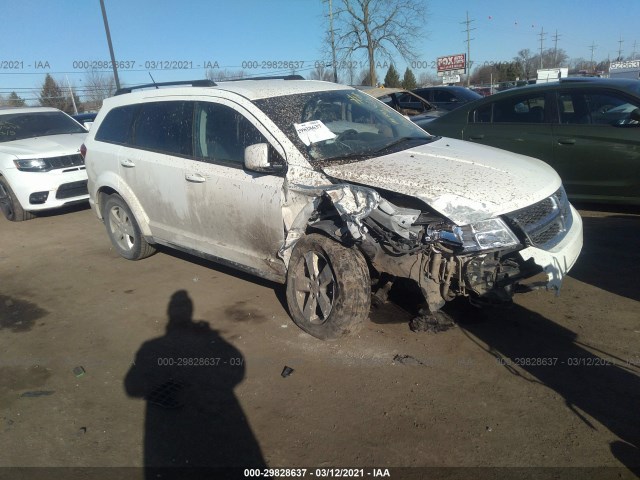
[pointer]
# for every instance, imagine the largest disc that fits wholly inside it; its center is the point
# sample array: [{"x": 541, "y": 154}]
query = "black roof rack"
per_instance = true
[
  {"x": 275, "y": 77},
  {"x": 193, "y": 83}
]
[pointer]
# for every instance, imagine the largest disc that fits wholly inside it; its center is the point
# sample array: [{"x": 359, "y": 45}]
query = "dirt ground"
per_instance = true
[{"x": 176, "y": 361}]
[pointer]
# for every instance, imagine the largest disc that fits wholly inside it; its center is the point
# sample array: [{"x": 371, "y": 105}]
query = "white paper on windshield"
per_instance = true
[{"x": 313, "y": 131}]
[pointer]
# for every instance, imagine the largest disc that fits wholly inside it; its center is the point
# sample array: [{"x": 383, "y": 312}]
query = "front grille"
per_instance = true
[
  {"x": 73, "y": 189},
  {"x": 544, "y": 224},
  {"x": 66, "y": 161}
]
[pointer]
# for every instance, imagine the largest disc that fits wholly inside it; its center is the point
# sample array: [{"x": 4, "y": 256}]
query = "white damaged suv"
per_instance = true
[
  {"x": 40, "y": 163},
  {"x": 324, "y": 188}
]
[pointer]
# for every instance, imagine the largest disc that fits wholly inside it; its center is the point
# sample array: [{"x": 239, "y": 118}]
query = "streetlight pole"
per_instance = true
[{"x": 113, "y": 57}]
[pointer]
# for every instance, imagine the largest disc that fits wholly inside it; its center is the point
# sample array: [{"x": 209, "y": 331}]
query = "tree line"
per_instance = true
[{"x": 53, "y": 93}]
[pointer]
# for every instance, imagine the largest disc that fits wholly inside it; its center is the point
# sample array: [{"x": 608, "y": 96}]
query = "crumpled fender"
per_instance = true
[{"x": 353, "y": 203}]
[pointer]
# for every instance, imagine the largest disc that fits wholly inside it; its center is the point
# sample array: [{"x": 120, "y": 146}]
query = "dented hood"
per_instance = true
[{"x": 461, "y": 180}]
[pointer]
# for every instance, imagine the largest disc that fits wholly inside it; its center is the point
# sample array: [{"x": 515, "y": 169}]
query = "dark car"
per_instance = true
[
  {"x": 588, "y": 129},
  {"x": 419, "y": 111},
  {"x": 447, "y": 98},
  {"x": 85, "y": 119}
]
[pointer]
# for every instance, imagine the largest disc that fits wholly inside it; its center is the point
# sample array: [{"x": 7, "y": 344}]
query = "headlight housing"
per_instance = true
[
  {"x": 484, "y": 235},
  {"x": 32, "y": 165}
]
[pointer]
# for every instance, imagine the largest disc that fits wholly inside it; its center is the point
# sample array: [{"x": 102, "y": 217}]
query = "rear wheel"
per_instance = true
[
  {"x": 123, "y": 230},
  {"x": 328, "y": 287},
  {"x": 10, "y": 205}
]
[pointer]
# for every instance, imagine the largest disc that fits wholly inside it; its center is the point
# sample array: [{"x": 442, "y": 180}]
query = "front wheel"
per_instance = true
[
  {"x": 123, "y": 230},
  {"x": 10, "y": 205},
  {"x": 328, "y": 287}
]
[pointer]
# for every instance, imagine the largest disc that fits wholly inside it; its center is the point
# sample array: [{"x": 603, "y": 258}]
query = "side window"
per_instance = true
[
  {"x": 609, "y": 108},
  {"x": 521, "y": 109},
  {"x": 116, "y": 127},
  {"x": 572, "y": 108},
  {"x": 222, "y": 134},
  {"x": 165, "y": 127}
]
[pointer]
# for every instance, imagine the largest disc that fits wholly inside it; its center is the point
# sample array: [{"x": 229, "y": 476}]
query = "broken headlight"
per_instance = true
[{"x": 484, "y": 235}]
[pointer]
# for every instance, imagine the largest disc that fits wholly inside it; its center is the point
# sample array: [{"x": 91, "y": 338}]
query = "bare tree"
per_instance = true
[
  {"x": 321, "y": 72},
  {"x": 380, "y": 28},
  {"x": 529, "y": 63},
  {"x": 222, "y": 75},
  {"x": 365, "y": 78},
  {"x": 526, "y": 62},
  {"x": 97, "y": 87},
  {"x": 426, "y": 79}
]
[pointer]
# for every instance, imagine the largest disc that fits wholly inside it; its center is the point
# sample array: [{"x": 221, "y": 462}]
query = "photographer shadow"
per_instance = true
[{"x": 193, "y": 420}]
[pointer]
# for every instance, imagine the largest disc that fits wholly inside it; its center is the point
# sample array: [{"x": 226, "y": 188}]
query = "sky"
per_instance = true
[{"x": 64, "y": 37}]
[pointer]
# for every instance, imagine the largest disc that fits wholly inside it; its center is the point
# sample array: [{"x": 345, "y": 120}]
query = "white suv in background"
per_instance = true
[
  {"x": 40, "y": 163},
  {"x": 324, "y": 188}
]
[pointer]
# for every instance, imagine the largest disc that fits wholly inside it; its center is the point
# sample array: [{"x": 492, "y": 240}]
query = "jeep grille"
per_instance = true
[{"x": 66, "y": 161}]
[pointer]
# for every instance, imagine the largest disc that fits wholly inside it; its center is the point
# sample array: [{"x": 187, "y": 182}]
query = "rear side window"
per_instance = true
[
  {"x": 165, "y": 127},
  {"x": 522, "y": 109},
  {"x": 116, "y": 126},
  {"x": 597, "y": 107}
]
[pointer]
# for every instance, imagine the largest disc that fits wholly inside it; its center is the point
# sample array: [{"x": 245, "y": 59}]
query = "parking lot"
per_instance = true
[{"x": 173, "y": 360}]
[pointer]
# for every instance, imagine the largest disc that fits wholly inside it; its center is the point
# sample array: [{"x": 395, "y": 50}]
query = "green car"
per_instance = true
[{"x": 588, "y": 129}]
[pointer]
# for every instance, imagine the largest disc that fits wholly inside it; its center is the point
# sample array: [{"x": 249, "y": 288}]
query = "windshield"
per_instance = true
[
  {"x": 341, "y": 126},
  {"x": 17, "y": 126}
]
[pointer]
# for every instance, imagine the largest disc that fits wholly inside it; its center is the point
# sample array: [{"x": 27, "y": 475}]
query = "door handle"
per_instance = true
[
  {"x": 567, "y": 141},
  {"x": 194, "y": 178},
  {"x": 126, "y": 162},
  {"x": 476, "y": 137}
]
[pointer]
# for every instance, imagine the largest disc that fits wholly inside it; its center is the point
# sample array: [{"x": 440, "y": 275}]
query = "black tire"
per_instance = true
[
  {"x": 328, "y": 287},
  {"x": 10, "y": 205},
  {"x": 123, "y": 230}
]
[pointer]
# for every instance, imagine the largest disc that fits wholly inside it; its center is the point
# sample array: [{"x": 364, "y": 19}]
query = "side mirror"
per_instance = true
[{"x": 256, "y": 159}]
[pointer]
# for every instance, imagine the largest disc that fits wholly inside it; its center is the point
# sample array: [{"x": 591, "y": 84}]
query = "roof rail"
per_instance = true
[
  {"x": 193, "y": 83},
  {"x": 275, "y": 77}
]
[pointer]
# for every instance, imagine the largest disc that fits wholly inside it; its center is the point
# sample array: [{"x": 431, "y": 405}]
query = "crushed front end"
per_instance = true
[{"x": 487, "y": 261}]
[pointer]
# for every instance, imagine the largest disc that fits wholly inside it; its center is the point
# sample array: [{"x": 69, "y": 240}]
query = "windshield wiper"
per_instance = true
[{"x": 400, "y": 140}]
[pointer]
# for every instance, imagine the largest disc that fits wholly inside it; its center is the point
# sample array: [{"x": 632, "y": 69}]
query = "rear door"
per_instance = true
[
  {"x": 152, "y": 166},
  {"x": 597, "y": 145}
]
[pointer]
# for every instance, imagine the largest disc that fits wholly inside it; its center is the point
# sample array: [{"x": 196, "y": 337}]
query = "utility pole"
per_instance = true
[
  {"x": 620, "y": 48},
  {"x": 73, "y": 100},
  {"x": 468, "y": 30},
  {"x": 633, "y": 55},
  {"x": 542, "y": 36},
  {"x": 333, "y": 44},
  {"x": 113, "y": 57},
  {"x": 592, "y": 47},
  {"x": 555, "y": 49}
]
